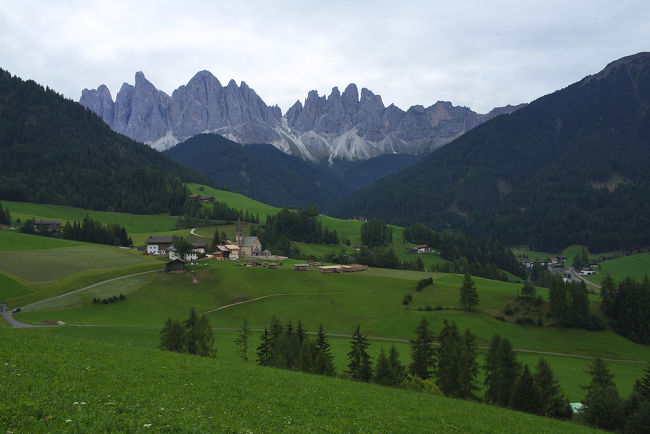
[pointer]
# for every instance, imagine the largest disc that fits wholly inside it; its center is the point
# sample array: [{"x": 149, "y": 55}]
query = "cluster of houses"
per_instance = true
[
  {"x": 242, "y": 247},
  {"x": 420, "y": 248},
  {"x": 203, "y": 199},
  {"x": 556, "y": 264}
]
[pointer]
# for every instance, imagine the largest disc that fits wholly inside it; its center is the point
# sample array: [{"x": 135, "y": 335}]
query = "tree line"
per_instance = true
[
  {"x": 288, "y": 225},
  {"x": 88, "y": 230},
  {"x": 194, "y": 209},
  {"x": 482, "y": 257},
  {"x": 627, "y": 306},
  {"x": 451, "y": 369}
]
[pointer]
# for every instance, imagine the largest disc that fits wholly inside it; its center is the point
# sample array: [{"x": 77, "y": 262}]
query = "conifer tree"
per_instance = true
[
  {"x": 501, "y": 371},
  {"x": 301, "y": 333},
  {"x": 397, "y": 370},
  {"x": 468, "y": 295},
  {"x": 205, "y": 338},
  {"x": 242, "y": 340},
  {"x": 608, "y": 294},
  {"x": 456, "y": 368},
  {"x": 382, "y": 369},
  {"x": 528, "y": 290},
  {"x": 191, "y": 345},
  {"x": 264, "y": 355},
  {"x": 468, "y": 370},
  {"x": 524, "y": 396},
  {"x": 171, "y": 336},
  {"x": 359, "y": 365},
  {"x": 422, "y": 351},
  {"x": 603, "y": 407},
  {"x": 553, "y": 402},
  {"x": 642, "y": 386},
  {"x": 324, "y": 359}
]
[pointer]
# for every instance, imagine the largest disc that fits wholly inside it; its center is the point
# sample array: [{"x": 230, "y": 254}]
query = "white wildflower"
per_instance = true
[
  {"x": 147, "y": 425},
  {"x": 68, "y": 420},
  {"x": 75, "y": 403}
]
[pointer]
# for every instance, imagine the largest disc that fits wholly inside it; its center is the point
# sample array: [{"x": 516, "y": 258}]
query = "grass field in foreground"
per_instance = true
[
  {"x": 570, "y": 372},
  {"x": 52, "y": 383}
]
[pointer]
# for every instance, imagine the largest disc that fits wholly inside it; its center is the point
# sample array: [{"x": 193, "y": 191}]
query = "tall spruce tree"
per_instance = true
[
  {"x": 456, "y": 367},
  {"x": 603, "y": 407},
  {"x": 608, "y": 295},
  {"x": 422, "y": 352},
  {"x": 264, "y": 350},
  {"x": 242, "y": 340},
  {"x": 642, "y": 386},
  {"x": 382, "y": 369},
  {"x": 468, "y": 295},
  {"x": 397, "y": 370},
  {"x": 359, "y": 365},
  {"x": 171, "y": 336},
  {"x": 553, "y": 402},
  {"x": 525, "y": 396},
  {"x": 501, "y": 371},
  {"x": 324, "y": 359}
]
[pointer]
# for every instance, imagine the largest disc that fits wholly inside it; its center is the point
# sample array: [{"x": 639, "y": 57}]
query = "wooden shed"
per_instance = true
[
  {"x": 175, "y": 266},
  {"x": 300, "y": 267},
  {"x": 329, "y": 269}
]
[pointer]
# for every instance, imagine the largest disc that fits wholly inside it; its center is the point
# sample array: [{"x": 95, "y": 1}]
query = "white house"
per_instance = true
[
  {"x": 234, "y": 251},
  {"x": 189, "y": 257},
  {"x": 158, "y": 245}
]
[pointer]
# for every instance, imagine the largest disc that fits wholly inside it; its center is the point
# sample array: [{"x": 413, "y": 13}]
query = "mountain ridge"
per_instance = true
[
  {"x": 569, "y": 168},
  {"x": 346, "y": 125}
]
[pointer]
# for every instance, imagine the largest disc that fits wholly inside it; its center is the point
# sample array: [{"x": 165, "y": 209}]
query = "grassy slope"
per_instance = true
[
  {"x": 13, "y": 241},
  {"x": 133, "y": 223},
  {"x": 340, "y": 302},
  {"x": 101, "y": 387},
  {"x": 635, "y": 266},
  {"x": 235, "y": 200}
]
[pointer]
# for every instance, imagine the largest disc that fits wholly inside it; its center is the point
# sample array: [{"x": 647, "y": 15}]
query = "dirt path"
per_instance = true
[
  {"x": 9, "y": 317},
  {"x": 197, "y": 235},
  {"x": 240, "y": 302}
]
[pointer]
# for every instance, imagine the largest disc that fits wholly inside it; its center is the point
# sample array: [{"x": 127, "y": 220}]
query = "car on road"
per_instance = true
[{"x": 15, "y": 310}]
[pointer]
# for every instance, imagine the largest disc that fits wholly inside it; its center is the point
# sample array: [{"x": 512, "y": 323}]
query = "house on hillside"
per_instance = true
[
  {"x": 47, "y": 225},
  {"x": 526, "y": 262},
  {"x": 203, "y": 199},
  {"x": 233, "y": 250},
  {"x": 158, "y": 245},
  {"x": 189, "y": 257},
  {"x": 359, "y": 218},
  {"x": 200, "y": 246},
  {"x": 221, "y": 253},
  {"x": 423, "y": 248}
]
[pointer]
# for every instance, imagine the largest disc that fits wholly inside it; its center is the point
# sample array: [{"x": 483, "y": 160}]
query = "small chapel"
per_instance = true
[{"x": 248, "y": 246}]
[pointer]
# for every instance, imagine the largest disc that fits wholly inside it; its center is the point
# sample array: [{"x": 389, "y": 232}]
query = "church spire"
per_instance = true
[{"x": 239, "y": 239}]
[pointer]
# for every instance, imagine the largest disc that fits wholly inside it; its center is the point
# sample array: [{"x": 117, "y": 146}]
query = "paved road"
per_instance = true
[{"x": 9, "y": 317}]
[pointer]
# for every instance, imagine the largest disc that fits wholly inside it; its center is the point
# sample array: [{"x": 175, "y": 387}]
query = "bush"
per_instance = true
[
  {"x": 423, "y": 283},
  {"x": 508, "y": 310},
  {"x": 420, "y": 385},
  {"x": 407, "y": 299}
]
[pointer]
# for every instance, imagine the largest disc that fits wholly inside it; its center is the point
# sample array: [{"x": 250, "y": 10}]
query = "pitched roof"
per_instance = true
[
  {"x": 159, "y": 240},
  {"x": 249, "y": 241},
  {"x": 199, "y": 244},
  {"x": 232, "y": 247}
]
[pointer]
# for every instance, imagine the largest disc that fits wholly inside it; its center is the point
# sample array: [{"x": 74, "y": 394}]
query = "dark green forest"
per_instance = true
[
  {"x": 570, "y": 168},
  {"x": 53, "y": 150}
]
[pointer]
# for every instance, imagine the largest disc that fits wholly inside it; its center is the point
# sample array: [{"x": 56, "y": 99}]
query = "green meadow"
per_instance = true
[
  {"x": 99, "y": 386},
  {"x": 636, "y": 266},
  {"x": 340, "y": 301},
  {"x": 133, "y": 223},
  {"x": 235, "y": 200}
]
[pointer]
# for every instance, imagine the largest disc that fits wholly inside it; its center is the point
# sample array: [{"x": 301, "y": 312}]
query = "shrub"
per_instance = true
[
  {"x": 407, "y": 299},
  {"x": 508, "y": 310}
]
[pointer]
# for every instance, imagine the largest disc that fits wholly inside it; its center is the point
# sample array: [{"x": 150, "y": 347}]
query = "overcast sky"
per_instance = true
[{"x": 479, "y": 54}]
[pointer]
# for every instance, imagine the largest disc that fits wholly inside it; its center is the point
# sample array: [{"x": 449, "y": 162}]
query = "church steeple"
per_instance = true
[{"x": 239, "y": 239}]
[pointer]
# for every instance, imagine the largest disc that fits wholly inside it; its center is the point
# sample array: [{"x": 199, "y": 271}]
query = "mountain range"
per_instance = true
[
  {"x": 341, "y": 126},
  {"x": 569, "y": 168}
]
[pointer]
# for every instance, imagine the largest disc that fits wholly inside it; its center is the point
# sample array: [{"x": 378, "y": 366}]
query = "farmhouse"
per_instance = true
[
  {"x": 234, "y": 251},
  {"x": 47, "y": 225},
  {"x": 200, "y": 247},
  {"x": 189, "y": 257},
  {"x": 423, "y": 248},
  {"x": 221, "y": 253},
  {"x": 204, "y": 199},
  {"x": 300, "y": 267},
  {"x": 175, "y": 266},
  {"x": 158, "y": 245}
]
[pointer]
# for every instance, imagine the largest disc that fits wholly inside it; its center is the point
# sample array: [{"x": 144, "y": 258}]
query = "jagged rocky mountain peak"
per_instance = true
[{"x": 348, "y": 125}]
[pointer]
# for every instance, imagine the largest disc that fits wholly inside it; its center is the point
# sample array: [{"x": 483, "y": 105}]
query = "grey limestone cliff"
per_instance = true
[{"x": 339, "y": 126}]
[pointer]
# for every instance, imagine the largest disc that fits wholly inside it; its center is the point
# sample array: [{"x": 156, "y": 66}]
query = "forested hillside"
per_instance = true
[
  {"x": 570, "y": 168},
  {"x": 53, "y": 150},
  {"x": 267, "y": 174}
]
